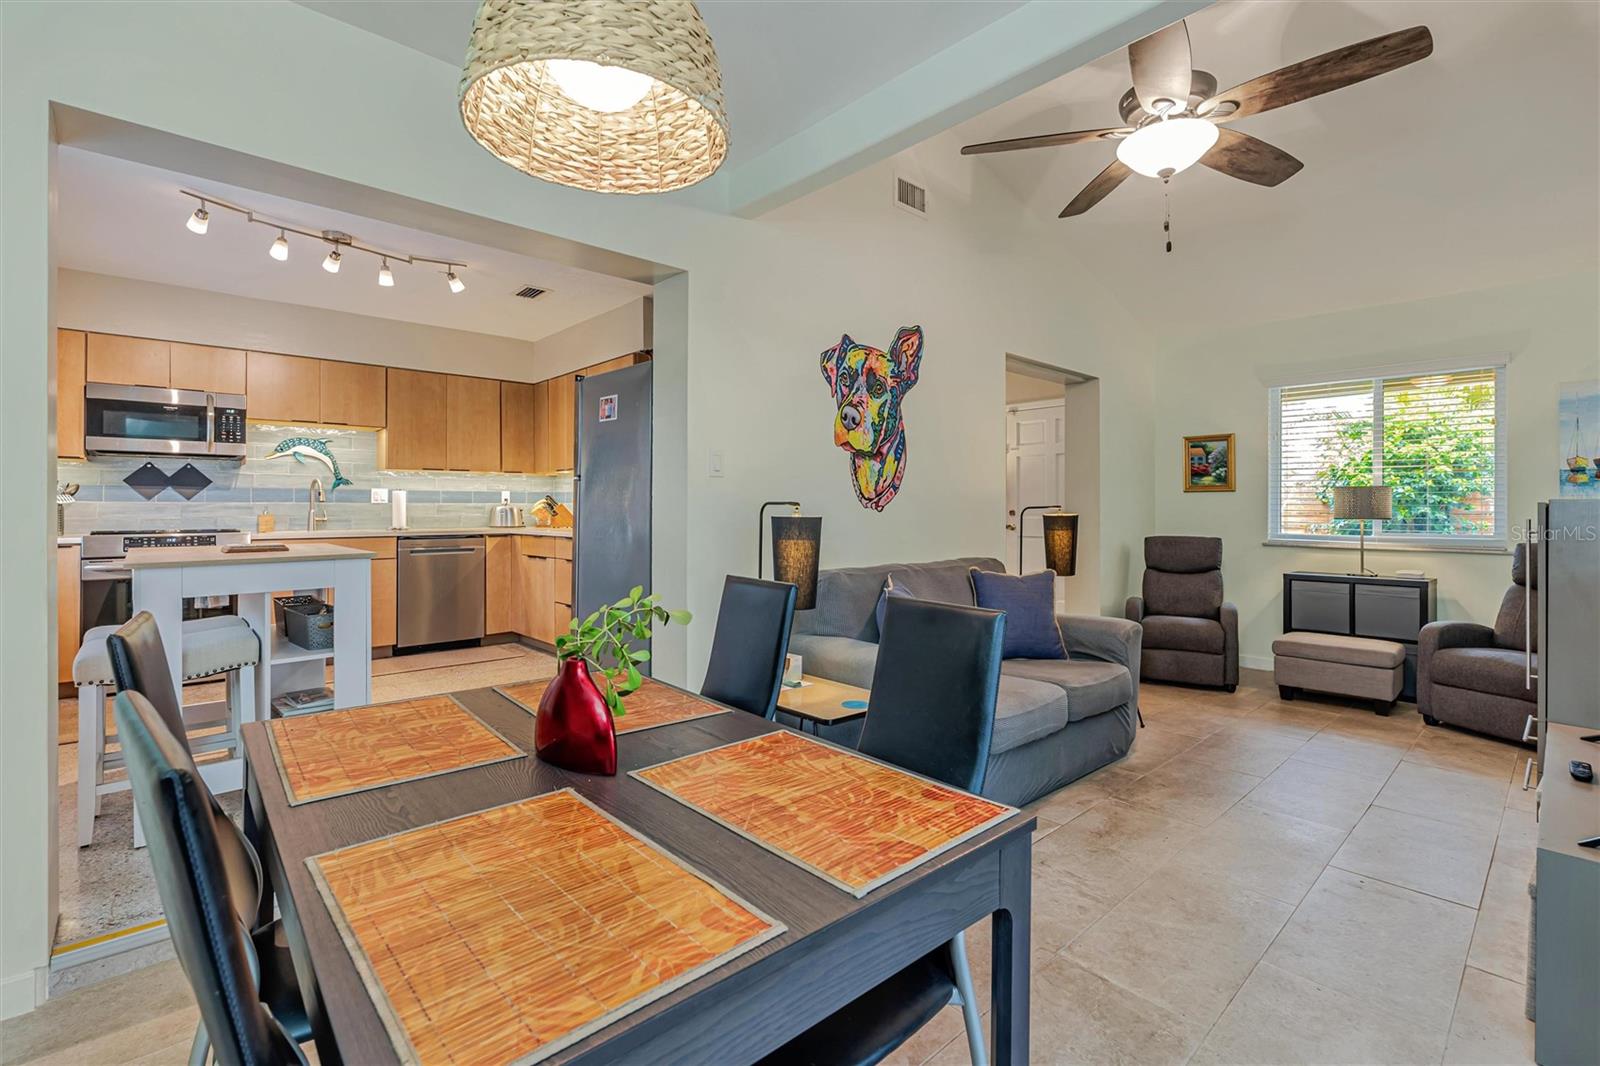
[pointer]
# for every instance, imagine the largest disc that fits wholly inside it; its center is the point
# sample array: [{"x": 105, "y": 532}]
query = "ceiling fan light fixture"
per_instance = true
[{"x": 1167, "y": 147}]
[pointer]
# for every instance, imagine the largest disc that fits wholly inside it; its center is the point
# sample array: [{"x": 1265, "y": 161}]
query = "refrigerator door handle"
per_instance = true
[{"x": 1529, "y": 675}]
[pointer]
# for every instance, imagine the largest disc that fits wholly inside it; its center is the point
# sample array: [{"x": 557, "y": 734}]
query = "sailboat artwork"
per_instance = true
[{"x": 1579, "y": 473}]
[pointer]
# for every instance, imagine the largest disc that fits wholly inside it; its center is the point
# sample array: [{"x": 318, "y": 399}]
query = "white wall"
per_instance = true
[
  {"x": 620, "y": 331},
  {"x": 104, "y": 304},
  {"x": 1211, "y": 385}
]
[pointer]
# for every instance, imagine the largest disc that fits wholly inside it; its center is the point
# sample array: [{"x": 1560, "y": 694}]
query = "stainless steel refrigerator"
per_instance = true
[
  {"x": 611, "y": 487},
  {"x": 1568, "y": 615}
]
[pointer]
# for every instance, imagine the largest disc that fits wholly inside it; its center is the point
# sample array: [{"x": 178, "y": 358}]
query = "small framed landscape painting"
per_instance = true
[{"x": 1208, "y": 463}]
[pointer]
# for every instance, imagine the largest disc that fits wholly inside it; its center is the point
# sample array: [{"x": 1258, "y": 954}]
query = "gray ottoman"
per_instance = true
[{"x": 1347, "y": 666}]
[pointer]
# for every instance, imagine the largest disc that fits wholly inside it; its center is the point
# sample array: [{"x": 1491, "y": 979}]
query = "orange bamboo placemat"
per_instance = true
[
  {"x": 652, "y": 705},
  {"x": 849, "y": 819},
  {"x": 510, "y": 933},
  {"x": 334, "y": 753}
]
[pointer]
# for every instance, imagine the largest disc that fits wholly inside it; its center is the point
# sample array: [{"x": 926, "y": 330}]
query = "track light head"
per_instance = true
[
  {"x": 331, "y": 264},
  {"x": 280, "y": 248},
  {"x": 199, "y": 220},
  {"x": 455, "y": 283},
  {"x": 385, "y": 275}
]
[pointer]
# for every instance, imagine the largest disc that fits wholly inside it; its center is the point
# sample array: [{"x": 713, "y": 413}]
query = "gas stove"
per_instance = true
[{"x": 116, "y": 543}]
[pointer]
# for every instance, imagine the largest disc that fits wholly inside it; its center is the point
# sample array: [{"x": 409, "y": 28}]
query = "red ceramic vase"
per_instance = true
[{"x": 573, "y": 729}]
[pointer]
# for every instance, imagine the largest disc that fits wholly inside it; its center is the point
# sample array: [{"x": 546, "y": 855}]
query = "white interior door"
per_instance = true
[{"x": 1035, "y": 476}]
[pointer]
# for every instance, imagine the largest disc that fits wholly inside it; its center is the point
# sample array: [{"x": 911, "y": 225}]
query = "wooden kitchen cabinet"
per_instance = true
[
  {"x": 472, "y": 423},
  {"x": 283, "y": 388},
  {"x": 352, "y": 394},
  {"x": 383, "y": 611},
  {"x": 205, "y": 369},
  {"x": 538, "y": 602},
  {"x": 517, "y": 452},
  {"x": 563, "y": 582},
  {"x": 68, "y": 589},
  {"x": 114, "y": 360},
  {"x": 415, "y": 433},
  {"x": 543, "y": 460},
  {"x": 563, "y": 398},
  {"x": 502, "y": 598},
  {"x": 71, "y": 373}
]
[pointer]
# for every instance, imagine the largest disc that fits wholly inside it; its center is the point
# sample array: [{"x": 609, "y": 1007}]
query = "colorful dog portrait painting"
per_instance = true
[{"x": 869, "y": 388}]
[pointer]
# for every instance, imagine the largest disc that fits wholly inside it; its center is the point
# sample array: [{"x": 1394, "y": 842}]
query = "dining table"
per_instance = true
[{"x": 827, "y": 946}]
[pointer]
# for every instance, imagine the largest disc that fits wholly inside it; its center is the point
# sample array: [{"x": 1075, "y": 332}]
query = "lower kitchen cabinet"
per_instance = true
[
  {"x": 68, "y": 588},
  {"x": 538, "y": 598},
  {"x": 383, "y": 616},
  {"x": 502, "y": 599}
]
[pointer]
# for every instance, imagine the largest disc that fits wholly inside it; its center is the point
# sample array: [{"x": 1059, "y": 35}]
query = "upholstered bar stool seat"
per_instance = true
[
  {"x": 1346, "y": 666},
  {"x": 222, "y": 644}
]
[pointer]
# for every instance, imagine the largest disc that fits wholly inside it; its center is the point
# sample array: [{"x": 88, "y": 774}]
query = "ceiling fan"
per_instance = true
[{"x": 1174, "y": 114}]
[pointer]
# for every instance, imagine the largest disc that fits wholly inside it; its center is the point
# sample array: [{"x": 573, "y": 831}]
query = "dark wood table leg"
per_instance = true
[
  {"x": 1012, "y": 952},
  {"x": 255, "y": 832}
]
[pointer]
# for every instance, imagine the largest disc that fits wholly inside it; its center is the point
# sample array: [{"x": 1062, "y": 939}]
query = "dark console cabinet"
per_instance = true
[{"x": 1385, "y": 608}]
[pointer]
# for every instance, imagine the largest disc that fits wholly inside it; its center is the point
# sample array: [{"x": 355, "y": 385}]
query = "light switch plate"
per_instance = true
[
  {"x": 714, "y": 466},
  {"x": 380, "y": 495}
]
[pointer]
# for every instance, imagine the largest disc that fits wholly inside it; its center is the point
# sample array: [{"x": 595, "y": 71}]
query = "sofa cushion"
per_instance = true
[
  {"x": 1092, "y": 687},
  {"x": 1334, "y": 648},
  {"x": 1178, "y": 633},
  {"x": 1499, "y": 671},
  {"x": 1025, "y": 711},
  {"x": 890, "y": 590},
  {"x": 947, "y": 582},
  {"x": 1188, "y": 595},
  {"x": 837, "y": 658},
  {"x": 1029, "y": 604},
  {"x": 847, "y": 598}
]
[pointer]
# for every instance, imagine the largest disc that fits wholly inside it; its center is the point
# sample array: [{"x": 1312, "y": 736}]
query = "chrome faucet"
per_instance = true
[{"x": 318, "y": 496}]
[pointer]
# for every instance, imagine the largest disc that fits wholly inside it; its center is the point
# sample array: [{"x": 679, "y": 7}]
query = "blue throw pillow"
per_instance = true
[
  {"x": 1029, "y": 603},
  {"x": 890, "y": 589}
]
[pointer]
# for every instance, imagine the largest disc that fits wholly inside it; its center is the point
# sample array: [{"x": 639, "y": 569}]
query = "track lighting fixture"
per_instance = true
[{"x": 338, "y": 240}]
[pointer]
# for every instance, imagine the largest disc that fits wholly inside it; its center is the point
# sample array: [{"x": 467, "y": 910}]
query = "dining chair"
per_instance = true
[
  {"x": 750, "y": 644},
  {"x": 248, "y": 1015},
  {"x": 932, "y": 712}
]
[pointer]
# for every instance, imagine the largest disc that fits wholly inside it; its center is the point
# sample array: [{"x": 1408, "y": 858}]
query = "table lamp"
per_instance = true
[
  {"x": 796, "y": 546},
  {"x": 1363, "y": 503}
]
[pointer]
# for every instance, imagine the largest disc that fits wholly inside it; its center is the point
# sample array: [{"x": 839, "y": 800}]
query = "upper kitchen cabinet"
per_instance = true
[
  {"x": 415, "y": 433},
  {"x": 543, "y": 459},
  {"x": 563, "y": 415},
  {"x": 71, "y": 370},
  {"x": 114, "y": 360},
  {"x": 517, "y": 428},
  {"x": 353, "y": 394},
  {"x": 283, "y": 388},
  {"x": 472, "y": 431},
  {"x": 203, "y": 369}
]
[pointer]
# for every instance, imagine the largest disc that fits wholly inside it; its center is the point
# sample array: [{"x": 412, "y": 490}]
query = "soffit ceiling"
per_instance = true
[{"x": 1474, "y": 167}]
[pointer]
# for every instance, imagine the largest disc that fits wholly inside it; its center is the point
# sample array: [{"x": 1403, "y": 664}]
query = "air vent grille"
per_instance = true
[
  {"x": 528, "y": 292},
  {"x": 910, "y": 196}
]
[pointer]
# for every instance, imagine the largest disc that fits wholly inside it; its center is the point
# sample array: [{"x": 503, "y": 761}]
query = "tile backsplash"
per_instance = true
[{"x": 239, "y": 491}]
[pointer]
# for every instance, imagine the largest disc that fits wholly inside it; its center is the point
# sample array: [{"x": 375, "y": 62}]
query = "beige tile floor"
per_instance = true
[{"x": 1258, "y": 882}]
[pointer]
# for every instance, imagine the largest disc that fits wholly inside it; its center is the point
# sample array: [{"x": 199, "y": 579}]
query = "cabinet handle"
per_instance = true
[
  {"x": 1527, "y": 730},
  {"x": 1527, "y": 775}
]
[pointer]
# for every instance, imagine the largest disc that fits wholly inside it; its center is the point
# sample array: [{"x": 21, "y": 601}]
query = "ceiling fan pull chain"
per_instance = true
[{"x": 1166, "y": 222}]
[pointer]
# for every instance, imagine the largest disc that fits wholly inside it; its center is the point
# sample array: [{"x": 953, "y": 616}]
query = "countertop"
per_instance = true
[
  {"x": 296, "y": 553},
  {"x": 415, "y": 531}
]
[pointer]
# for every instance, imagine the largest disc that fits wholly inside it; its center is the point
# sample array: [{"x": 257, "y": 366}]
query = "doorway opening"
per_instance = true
[{"x": 1053, "y": 460}]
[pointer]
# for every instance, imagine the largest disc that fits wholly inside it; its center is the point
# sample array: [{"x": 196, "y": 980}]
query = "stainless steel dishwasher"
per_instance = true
[{"x": 438, "y": 590}]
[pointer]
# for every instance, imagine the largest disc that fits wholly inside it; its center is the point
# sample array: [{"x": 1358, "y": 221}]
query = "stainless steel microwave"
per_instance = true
[{"x": 139, "y": 420}]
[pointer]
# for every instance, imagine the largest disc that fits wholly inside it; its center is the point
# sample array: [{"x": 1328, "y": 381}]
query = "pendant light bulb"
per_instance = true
[
  {"x": 456, "y": 284},
  {"x": 385, "y": 276},
  {"x": 280, "y": 248},
  {"x": 331, "y": 264},
  {"x": 199, "y": 220}
]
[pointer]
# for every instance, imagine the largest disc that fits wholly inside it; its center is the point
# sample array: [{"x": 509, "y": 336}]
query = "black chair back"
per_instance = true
[
  {"x": 934, "y": 690},
  {"x": 749, "y": 646},
  {"x": 208, "y": 933},
  {"x": 139, "y": 664}
]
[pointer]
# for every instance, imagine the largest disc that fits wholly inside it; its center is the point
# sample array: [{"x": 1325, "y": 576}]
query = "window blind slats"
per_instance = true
[{"x": 1433, "y": 437}]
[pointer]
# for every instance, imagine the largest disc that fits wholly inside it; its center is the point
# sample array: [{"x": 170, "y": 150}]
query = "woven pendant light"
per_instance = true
[{"x": 515, "y": 102}]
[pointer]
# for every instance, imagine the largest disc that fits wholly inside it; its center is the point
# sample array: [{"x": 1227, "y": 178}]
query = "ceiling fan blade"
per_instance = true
[
  {"x": 1097, "y": 190},
  {"x": 1162, "y": 69},
  {"x": 1322, "y": 74},
  {"x": 1046, "y": 140},
  {"x": 1241, "y": 156}
]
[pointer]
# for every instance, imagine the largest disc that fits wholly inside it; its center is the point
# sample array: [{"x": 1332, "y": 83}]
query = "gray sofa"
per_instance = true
[{"x": 1056, "y": 719}]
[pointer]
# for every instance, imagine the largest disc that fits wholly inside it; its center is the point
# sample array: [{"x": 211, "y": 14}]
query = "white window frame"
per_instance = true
[{"x": 1497, "y": 541}]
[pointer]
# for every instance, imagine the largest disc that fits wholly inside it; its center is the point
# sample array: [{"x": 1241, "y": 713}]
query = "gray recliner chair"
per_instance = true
[
  {"x": 1476, "y": 676},
  {"x": 1191, "y": 635}
]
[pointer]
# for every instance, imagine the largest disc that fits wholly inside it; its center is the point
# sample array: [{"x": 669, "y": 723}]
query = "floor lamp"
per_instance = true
[{"x": 796, "y": 547}]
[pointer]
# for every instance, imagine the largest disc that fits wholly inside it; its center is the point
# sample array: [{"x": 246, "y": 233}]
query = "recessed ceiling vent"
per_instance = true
[
  {"x": 912, "y": 197},
  {"x": 529, "y": 292}
]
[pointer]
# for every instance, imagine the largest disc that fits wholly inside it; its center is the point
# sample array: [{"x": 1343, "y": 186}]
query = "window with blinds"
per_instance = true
[{"x": 1434, "y": 437}]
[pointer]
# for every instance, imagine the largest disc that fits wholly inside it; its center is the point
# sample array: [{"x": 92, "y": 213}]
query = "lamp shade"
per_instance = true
[
  {"x": 609, "y": 97},
  {"x": 1061, "y": 542},
  {"x": 796, "y": 542},
  {"x": 1363, "y": 501}
]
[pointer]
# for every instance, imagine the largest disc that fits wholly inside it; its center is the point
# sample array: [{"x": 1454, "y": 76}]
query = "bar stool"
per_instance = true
[{"x": 222, "y": 644}]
